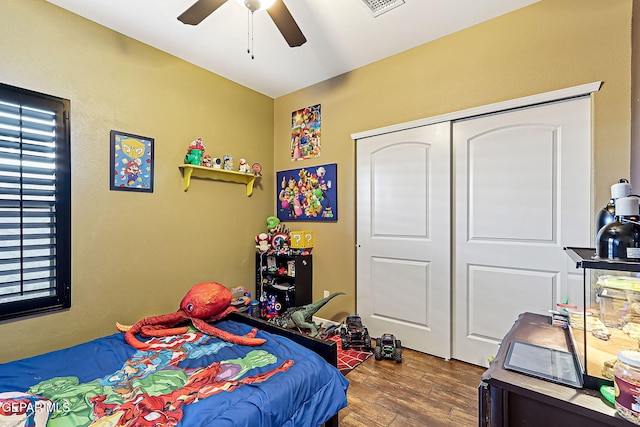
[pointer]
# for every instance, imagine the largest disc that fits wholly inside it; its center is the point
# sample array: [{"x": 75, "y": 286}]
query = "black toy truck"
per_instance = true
[
  {"x": 354, "y": 333},
  {"x": 388, "y": 347}
]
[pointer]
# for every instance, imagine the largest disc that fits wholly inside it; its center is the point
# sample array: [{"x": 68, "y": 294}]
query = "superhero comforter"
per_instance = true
[{"x": 188, "y": 380}]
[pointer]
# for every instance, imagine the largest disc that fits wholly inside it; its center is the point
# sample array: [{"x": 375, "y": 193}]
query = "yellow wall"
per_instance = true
[
  {"x": 549, "y": 45},
  {"x": 136, "y": 254}
]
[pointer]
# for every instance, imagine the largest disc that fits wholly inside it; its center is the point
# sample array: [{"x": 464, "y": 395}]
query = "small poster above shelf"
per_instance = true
[{"x": 217, "y": 175}]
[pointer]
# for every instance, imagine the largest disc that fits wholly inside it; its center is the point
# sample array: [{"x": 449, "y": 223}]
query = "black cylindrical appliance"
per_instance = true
[
  {"x": 620, "y": 239},
  {"x": 607, "y": 214}
]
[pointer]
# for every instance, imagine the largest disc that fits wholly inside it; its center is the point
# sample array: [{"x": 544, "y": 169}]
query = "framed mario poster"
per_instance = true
[
  {"x": 308, "y": 194},
  {"x": 131, "y": 162}
]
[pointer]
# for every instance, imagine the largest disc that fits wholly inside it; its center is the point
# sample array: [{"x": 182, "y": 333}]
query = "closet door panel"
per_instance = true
[
  {"x": 404, "y": 236},
  {"x": 522, "y": 193}
]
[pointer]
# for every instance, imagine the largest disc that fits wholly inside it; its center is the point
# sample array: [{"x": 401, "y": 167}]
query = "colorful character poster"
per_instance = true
[
  {"x": 308, "y": 194},
  {"x": 131, "y": 162},
  {"x": 305, "y": 133}
]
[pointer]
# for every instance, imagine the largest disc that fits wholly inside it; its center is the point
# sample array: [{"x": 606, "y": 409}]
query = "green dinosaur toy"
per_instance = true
[{"x": 302, "y": 317}]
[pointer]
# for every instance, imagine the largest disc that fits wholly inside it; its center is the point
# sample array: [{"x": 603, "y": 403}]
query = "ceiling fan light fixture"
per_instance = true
[
  {"x": 378, "y": 7},
  {"x": 255, "y": 5}
]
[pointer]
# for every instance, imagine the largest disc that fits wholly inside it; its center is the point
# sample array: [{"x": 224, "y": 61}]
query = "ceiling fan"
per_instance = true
[{"x": 276, "y": 10}]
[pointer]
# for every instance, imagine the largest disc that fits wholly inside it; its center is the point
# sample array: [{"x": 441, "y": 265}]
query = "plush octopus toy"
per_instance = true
[{"x": 204, "y": 303}]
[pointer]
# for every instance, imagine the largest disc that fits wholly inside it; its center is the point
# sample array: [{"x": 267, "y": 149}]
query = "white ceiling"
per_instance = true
[{"x": 341, "y": 34}]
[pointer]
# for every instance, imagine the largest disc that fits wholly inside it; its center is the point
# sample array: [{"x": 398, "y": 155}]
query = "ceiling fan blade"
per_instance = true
[
  {"x": 286, "y": 24},
  {"x": 200, "y": 10}
]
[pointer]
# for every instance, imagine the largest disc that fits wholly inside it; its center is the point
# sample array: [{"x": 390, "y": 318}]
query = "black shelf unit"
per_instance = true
[{"x": 284, "y": 276}]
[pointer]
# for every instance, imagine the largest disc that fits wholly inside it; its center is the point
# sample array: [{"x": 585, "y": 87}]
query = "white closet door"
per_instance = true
[
  {"x": 522, "y": 193},
  {"x": 403, "y": 235}
]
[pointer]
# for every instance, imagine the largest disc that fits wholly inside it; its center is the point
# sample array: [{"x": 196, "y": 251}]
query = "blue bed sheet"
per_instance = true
[{"x": 194, "y": 380}]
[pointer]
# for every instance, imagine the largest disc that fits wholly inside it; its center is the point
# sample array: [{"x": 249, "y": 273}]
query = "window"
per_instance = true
[{"x": 35, "y": 203}]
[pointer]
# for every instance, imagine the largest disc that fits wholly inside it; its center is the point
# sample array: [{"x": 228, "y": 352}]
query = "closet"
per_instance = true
[{"x": 462, "y": 220}]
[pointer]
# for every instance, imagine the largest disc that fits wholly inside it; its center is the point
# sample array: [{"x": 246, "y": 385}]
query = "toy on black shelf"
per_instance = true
[
  {"x": 272, "y": 224},
  {"x": 287, "y": 300},
  {"x": 280, "y": 244},
  {"x": 282, "y": 241},
  {"x": 291, "y": 268},
  {"x": 275, "y": 226},
  {"x": 263, "y": 305},
  {"x": 388, "y": 347},
  {"x": 277, "y": 237},
  {"x": 263, "y": 241},
  {"x": 271, "y": 264},
  {"x": 302, "y": 241},
  {"x": 302, "y": 317},
  {"x": 354, "y": 333}
]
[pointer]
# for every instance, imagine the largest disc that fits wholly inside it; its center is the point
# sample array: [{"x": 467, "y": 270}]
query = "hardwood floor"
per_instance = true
[{"x": 423, "y": 391}]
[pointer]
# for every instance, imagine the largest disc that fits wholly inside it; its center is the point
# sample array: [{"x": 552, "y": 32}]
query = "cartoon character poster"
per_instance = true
[
  {"x": 131, "y": 162},
  {"x": 308, "y": 194},
  {"x": 305, "y": 133}
]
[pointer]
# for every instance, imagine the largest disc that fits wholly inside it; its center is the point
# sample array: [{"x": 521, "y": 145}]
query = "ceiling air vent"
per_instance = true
[{"x": 378, "y": 7}]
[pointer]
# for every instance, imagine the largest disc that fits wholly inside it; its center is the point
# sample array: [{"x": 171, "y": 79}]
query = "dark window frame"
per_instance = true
[{"x": 61, "y": 287}]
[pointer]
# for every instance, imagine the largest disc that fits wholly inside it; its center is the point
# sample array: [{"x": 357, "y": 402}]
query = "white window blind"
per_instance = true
[{"x": 27, "y": 202}]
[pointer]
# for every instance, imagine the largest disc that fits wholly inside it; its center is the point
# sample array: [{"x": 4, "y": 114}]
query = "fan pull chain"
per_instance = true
[{"x": 250, "y": 33}]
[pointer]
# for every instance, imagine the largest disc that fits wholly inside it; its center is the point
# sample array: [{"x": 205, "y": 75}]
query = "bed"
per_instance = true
[{"x": 190, "y": 380}]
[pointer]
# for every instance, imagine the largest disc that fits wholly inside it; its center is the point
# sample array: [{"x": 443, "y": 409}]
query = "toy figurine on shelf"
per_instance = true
[
  {"x": 263, "y": 304},
  {"x": 195, "y": 152},
  {"x": 207, "y": 161},
  {"x": 256, "y": 168},
  {"x": 302, "y": 241},
  {"x": 275, "y": 226},
  {"x": 276, "y": 240},
  {"x": 272, "y": 224},
  {"x": 263, "y": 241},
  {"x": 227, "y": 162},
  {"x": 244, "y": 166},
  {"x": 280, "y": 243},
  {"x": 287, "y": 300}
]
